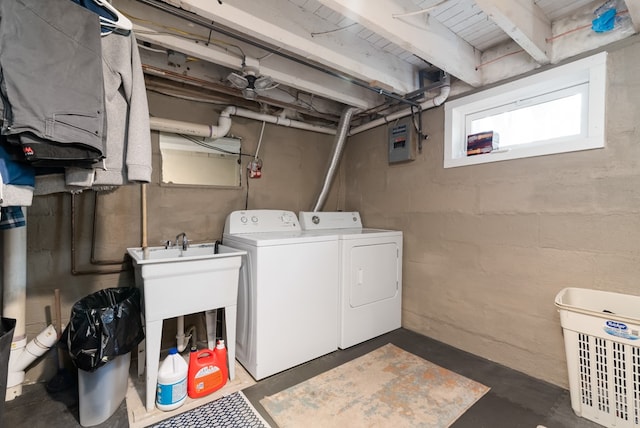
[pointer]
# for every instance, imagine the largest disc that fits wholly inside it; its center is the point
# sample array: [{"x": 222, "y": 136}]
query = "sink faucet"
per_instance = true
[{"x": 181, "y": 240}]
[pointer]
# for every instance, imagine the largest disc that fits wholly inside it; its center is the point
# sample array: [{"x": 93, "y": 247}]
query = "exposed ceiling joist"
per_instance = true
[
  {"x": 524, "y": 22},
  {"x": 426, "y": 38},
  {"x": 281, "y": 71},
  {"x": 324, "y": 55},
  {"x": 633, "y": 6},
  {"x": 289, "y": 28}
]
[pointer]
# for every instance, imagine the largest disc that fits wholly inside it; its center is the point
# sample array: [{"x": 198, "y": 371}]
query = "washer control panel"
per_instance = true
[{"x": 255, "y": 221}]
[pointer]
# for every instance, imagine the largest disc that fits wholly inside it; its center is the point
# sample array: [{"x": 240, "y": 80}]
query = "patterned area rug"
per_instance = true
[
  {"x": 231, "y": 411},
  {"x": 388, "y": 387}
]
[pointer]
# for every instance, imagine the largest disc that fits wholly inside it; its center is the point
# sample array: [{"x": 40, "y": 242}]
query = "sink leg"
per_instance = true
[
  {"x": 153, "y": 339},
  {"x": 230, "y": 328},
  {"x": 141, "y": 357}
]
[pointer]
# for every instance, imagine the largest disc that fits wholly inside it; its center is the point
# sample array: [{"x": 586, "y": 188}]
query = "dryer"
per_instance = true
[
  {"x": 370, "y": 264},
  {"x": 288, "y": 291}
]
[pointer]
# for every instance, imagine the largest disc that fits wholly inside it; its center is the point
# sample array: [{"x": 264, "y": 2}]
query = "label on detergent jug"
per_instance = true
[
  {"x": 208, "y": 378},
  {"x": 168, "y": 394},
  {"x": 619, "y": 329}
]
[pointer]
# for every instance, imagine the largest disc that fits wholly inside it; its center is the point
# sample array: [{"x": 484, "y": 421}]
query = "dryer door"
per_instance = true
[{"x": 373, "y": 273}]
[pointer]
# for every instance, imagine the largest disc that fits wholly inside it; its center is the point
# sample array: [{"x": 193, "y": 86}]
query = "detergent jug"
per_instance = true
[{"x": 208, "y": 370}]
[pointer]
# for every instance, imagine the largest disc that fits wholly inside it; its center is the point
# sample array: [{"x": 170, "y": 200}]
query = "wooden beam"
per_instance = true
[
  {"x": 524, "y": 22},
  {"x": 633, "y": 6},
  {"x": 280, "y": 23},
  {"x": 426, "y": 38}
]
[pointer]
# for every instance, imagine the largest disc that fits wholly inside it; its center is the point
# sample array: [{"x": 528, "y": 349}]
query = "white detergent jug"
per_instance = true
[{"x": 172, "y": 382}]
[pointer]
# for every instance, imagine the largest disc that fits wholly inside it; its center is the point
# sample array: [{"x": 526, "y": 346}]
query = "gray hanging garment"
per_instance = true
[{"x": 52, "y": 84}]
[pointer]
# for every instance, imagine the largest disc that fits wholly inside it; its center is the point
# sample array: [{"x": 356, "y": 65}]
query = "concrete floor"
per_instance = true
[{"x": 514, "y": 401}]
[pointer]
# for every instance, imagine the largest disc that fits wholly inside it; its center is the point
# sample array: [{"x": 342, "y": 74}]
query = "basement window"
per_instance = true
[
  {"x": 198, "y": 161},
  {"x": 556, "y": 111}
]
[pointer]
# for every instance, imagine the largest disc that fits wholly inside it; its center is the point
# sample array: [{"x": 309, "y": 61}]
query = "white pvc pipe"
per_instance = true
[
  {"x": 282, "y": 121},
  {"x": 224, "y": 121},
  {"x": 34, "y": 349},
  {"x": 224, "y": 124},
  {"x": 211, "y": 319},
  {"x": 181, "y": 343},
  {"x": 14, "y": 278}
]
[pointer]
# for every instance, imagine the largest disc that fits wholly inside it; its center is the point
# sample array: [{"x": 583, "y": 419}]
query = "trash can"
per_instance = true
[
  {"x": 103, "y": 329},
  {"x": 7, "y": 326},
  {"x": 602, "y": 342}
]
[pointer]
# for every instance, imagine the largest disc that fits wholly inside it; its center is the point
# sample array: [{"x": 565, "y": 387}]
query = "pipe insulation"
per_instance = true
[{"x": 338, "y": 146}]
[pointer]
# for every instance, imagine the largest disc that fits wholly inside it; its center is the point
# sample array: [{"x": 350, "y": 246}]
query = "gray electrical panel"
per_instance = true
[{"x": 402, "y": 141}]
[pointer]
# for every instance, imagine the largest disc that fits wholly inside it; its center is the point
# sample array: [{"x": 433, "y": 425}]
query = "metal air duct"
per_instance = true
[{"x": 341, "y": 136}]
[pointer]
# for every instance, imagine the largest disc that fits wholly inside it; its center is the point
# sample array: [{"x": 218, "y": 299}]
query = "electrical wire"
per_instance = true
[
  {"x": 187, "y": 97},
  {"x": 259, "y": 141},
  {"x": 209, "y": 146},
  {"x": 173, "y": 31},
  {"x": 334, "y": 30},
  {"x": 418, "y": 12}
]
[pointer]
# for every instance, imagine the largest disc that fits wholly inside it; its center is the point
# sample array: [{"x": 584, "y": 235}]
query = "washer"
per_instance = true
[
  {"x": 288, "y": 291},
  {"x": 370, "y": 263}
]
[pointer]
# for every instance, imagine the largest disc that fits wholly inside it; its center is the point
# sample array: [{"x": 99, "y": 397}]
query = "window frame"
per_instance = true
[{"x": 590, "y": 70}]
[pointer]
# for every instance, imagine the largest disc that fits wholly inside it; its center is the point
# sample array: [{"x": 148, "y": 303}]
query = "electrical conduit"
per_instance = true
[{"x": 426, "y": 105}]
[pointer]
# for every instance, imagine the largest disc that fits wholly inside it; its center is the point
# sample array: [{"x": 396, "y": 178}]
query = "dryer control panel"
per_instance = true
[
  {"x": 322, "y": 220},
  {"x": 255, "y": 221}
]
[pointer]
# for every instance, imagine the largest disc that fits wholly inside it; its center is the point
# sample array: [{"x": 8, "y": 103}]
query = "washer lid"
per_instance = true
[{"x": 264, "y": 239}]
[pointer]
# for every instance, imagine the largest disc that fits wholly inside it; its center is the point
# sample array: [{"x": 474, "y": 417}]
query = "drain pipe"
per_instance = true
[
  {"x": 224, "y": 124},
  {"x": 179, "y": 127},
  {"x": 341, "y": 137},
  {"x": 426, "y": 105},
  {"x": 14, "y": 299},
  {"x": 22, "y": 356}
]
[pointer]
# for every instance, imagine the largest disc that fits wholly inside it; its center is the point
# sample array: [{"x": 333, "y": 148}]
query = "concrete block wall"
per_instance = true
[
  {"x": 294, "y": 164},
  {"x": 488, "y": 247}
]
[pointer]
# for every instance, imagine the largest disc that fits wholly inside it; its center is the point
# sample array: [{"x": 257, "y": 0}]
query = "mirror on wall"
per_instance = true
[{"x": 188, "y": 160}]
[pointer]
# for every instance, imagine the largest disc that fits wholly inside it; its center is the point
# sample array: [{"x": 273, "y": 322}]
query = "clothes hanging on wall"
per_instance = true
[
  {"x": 128, "y": 139},
  {"x": 52, "y": 84},
  {"x": 17, "y": 179},
  {"x": 11, "y": 217},
  {"x": 117, "y": 85}
]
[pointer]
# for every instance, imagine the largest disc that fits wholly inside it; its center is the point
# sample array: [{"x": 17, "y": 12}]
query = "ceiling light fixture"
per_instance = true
[{"x": 249, "y": 82}]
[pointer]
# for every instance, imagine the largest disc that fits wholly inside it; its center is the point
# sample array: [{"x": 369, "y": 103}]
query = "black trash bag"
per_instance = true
[{"x": 102, "y": 326}]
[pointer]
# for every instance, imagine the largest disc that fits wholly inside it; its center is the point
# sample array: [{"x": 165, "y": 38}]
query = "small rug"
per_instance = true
[
  {"x": 388, "y": 387},
  {"x": 231, "y": 411}
]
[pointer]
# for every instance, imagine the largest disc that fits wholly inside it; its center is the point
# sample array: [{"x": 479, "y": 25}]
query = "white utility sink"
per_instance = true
[
  {"x": 178, "y": 282},
  {"x": 171, "y": 254}
]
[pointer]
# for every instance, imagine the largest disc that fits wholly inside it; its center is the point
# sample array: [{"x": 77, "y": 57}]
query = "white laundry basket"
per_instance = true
[{"x": 602, "y": 341}]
